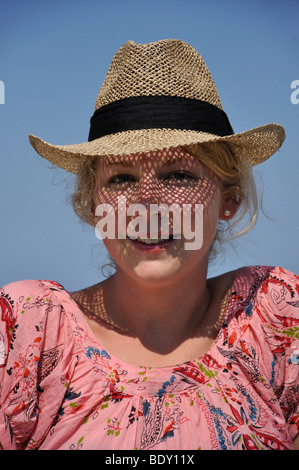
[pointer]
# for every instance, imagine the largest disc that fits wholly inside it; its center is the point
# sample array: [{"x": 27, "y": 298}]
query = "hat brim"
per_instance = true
[{"x": 256, "y": 145}]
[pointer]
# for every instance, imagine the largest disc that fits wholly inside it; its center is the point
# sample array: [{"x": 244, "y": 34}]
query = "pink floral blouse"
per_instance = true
[{"x": 61, "y": 389}]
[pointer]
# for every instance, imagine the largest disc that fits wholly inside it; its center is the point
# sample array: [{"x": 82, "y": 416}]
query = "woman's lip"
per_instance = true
[
  {"x": 155, "y": 247},
  {"x": 151, "y": 235}
]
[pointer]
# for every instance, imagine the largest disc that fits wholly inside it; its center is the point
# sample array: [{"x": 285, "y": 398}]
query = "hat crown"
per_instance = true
[
  {"x": 174, "y": 102},
  {"x": 169, "y": 67}
]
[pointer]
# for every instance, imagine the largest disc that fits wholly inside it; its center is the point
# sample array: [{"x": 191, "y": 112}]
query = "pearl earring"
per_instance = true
[{"x": 227, "y": 213}]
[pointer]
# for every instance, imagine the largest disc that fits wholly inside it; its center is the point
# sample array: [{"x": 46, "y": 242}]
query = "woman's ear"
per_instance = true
[{"x": 228, "y": 208}]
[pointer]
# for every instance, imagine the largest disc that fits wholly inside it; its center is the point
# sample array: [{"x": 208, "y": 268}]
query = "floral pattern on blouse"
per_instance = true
[{"x": 61, "y": 389}]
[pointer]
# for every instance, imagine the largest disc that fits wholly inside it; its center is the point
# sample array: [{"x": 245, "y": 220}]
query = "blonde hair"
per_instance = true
[
  {"x": 234, "y": 175},
  {"x": 237, "y": 181}
]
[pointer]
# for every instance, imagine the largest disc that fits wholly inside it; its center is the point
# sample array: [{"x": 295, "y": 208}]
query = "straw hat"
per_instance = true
[{"x": 159, "y": 95}]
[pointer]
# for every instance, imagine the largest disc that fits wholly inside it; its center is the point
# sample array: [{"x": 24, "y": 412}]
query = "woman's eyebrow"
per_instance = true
[
  {"x": 130, "y": 164},
  {"x": 171, "y": 162},
  {"x": 123, "y": 163}
]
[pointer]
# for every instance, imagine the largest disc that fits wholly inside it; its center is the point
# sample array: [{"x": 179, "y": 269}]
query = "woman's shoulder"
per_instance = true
[
  {"x": 37, "y": 353},
  {"x": 248, "y": 282},
  {"x": 264, "y": 271},
  {"x": 263, "y": 279},
  {"x": 25, "y": 304},
  {"x": 268, "y": 295},
  {"x": 29, "y": 288},
  {"x": 262, "y": 294},
  {"x": 30, "y": 292}
]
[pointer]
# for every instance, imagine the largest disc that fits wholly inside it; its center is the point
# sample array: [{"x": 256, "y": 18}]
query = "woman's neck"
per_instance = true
[
  {"x": 158, "y": 326},
  {"x": 160, "y": 315}
]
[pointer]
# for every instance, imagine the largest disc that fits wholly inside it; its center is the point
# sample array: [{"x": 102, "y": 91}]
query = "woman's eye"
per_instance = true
[
  {"x": 121, "y": 179},
  {"x": 180, "y": 177}
]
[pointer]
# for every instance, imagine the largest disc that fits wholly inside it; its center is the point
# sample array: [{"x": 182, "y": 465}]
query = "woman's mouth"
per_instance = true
[{"x": 152, "y": 244}]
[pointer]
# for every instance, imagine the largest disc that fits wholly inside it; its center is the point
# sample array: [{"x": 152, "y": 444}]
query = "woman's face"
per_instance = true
[{"x": 159, "y": 211}]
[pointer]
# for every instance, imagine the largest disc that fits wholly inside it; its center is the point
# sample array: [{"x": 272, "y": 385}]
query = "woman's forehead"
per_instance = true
[{"x": 162, "y": 157}]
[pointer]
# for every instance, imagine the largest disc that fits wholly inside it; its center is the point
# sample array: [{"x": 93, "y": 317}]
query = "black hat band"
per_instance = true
[{"x": 159, "y": 112}]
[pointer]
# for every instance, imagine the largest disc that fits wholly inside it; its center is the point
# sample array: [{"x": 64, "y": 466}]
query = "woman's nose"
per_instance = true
[{"x": 148, "y": 191}]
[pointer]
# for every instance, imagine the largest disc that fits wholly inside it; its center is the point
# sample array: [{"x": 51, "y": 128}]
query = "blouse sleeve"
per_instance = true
[
  {"x": 36, "y": 359},
  {"x": 280, "y": 309}
]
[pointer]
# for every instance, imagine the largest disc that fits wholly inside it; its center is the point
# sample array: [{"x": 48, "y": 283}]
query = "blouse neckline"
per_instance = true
[{"x": 212, "y": 351}]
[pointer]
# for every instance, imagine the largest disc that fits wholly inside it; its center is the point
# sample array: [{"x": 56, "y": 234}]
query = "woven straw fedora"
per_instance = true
[{"x": 159, "y": 95}]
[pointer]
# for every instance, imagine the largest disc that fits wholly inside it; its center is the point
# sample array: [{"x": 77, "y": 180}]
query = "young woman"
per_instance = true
[{"x": 157, "y": 356}]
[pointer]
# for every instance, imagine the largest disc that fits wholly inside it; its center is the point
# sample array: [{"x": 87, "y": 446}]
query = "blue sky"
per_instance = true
[{"x": 54, "y": 57}]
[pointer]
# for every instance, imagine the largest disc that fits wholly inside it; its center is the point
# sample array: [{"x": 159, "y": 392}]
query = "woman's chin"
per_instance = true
[
  {"x": 157, "y": 272},
  {"x": 165, "y": 266}
]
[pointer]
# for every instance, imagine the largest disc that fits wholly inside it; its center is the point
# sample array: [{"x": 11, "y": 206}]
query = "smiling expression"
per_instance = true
[{"x": 168, "y": 177}]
